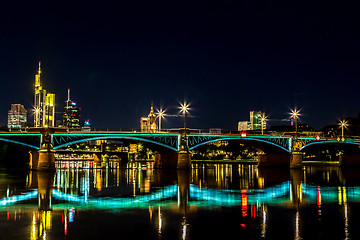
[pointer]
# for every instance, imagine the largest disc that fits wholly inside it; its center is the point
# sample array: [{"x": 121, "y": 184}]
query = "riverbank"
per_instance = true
[
  {"x": 254, "y": 162},
  {"x": 321, "y": 163},
  {"x": 243, "y": 161}
]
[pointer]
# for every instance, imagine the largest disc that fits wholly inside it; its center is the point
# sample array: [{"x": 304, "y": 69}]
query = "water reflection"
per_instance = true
[{"x": 173, "y": 200}]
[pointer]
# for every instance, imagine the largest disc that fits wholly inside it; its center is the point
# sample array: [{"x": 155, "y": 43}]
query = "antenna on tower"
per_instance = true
[
  {"x": 69, "y": 94},
  {"x": 39, "y": 71}
]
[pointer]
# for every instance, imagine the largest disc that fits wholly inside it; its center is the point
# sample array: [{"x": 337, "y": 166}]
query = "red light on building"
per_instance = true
[{"x": 243, "y": 134}]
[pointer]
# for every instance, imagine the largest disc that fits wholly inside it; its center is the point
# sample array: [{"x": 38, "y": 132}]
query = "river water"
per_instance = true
[{"x": 211, "y": 201}]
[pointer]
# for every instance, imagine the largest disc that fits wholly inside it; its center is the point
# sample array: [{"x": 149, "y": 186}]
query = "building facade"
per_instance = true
[
  {"x": 255, "y": 120},
  {"x": 72, "y": 114},
  {"x": 44, "y": 104},
  {"x": 149, "y": 123},
  {"x": 17, "y": 117},
  {"x": 243, "y": 126}
]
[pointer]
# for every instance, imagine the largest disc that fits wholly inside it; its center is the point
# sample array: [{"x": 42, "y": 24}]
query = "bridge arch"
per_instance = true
[
  {"x": 331, "y": 143},
  {"x": 117, "y": 138},
  {"x": 257, "y": 143},
  {"x": 19, "y": 143}
]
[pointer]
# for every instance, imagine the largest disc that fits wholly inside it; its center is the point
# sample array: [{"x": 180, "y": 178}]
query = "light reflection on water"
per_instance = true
[{"x": 192, "y": 204}]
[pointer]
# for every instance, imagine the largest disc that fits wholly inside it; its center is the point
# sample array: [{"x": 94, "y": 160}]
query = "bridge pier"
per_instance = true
[
  {"x": 44, "y": 159},
  {"x": 296, "y": 159},
  {"x": 349, "y": 160},
  {"x": 184, "y": 158}
]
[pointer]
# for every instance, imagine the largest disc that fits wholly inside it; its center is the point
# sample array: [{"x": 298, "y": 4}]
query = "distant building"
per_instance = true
[
  {"x": 254, "y": 123},
  {"x": 17, "y": 117},
  {"x": 72, "y": 114},
  {"x": 44, "y": 104},
  {"x": 255, "y": 120},
  {"x": 86, "y": 127},
  {"x": 149, "y": 123},
  {"x": 243, "y": 126},
  {"x": 215, "y": 130}
]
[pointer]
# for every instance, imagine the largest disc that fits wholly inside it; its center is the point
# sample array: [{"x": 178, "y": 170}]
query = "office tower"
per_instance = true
[
  {"x": 17, "y": 117},
  {"x": 44, "y": 104},
  {"x": 72, "y": 114}
]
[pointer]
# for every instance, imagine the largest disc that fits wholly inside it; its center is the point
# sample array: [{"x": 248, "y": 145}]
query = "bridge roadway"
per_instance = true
[{"x": 275, "y": 150}]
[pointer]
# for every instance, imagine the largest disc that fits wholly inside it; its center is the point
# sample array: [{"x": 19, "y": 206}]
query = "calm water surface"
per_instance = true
[{"x": 209, "y": 202}]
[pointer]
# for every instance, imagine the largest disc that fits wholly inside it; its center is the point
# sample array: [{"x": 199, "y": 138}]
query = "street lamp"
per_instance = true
[
  {"x": 295, "y": 115},
  {"x": 343, "y": 124},
  {"x": 184, "y": 108},
  {"x": 161, "y": 114},
  {"x": 263, "y": 120}
]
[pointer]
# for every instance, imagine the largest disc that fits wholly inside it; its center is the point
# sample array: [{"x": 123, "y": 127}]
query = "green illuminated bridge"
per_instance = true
[
  {"x": 274, "y": 148},
  {"x": 170, "y": 141}
]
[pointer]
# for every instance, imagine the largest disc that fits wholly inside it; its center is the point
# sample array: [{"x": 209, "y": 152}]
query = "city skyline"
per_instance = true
[
  {"x": 245, "y": 57},
  {"x": 174, "y": 109}
]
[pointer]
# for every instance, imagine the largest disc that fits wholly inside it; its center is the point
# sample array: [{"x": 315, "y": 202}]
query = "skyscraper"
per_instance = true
[
  {"x": 17, "y": 117},
  {"x": 72, "y": 114},
  {"x": 44, "y": 104},
  {"x": 255, "y": 120},
  {"x": 39, "y": 103}
]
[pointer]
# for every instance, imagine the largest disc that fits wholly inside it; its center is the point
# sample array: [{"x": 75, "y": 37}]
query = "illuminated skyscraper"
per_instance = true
[
  {"x": 39, "y": 104},
  {"x": 44, "y": 104},
  {"x": 149, "y": 123},
  {"x": 255, "y": 120},
  {"x": 72, "y": 114},
  {"x": 17, "y": 117}
]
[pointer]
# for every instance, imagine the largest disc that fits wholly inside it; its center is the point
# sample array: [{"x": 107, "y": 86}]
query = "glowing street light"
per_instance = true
[
  {"x": 161, "y": 114},
  {"x": 295, "y": 115},
  {"x": 343, "y": 124},
  {"x": 263, "y": 121},
  {"x": 184, "y": 108}
]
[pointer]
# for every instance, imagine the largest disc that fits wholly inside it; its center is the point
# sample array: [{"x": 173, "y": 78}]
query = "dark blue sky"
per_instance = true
[{"x": 225, "y": 57}]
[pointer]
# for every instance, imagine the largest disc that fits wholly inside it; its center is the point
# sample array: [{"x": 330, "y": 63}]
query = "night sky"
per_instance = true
[{"x": 224, "y": 57}]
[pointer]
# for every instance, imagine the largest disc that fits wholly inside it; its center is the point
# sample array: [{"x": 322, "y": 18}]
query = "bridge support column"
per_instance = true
[
  {"x": 45, "y": 158},
  {"x": 349, "y": 160},
  {"x": 274, "y": 160},
  {"x": 296, "y": 159},
  {"x": 184, "y": 158}
]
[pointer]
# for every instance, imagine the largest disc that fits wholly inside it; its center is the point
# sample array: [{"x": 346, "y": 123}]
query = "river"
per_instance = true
[{"x": 210, "y": 201}]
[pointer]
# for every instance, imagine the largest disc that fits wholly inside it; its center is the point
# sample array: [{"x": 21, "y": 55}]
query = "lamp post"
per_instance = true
[
  {"x": 343, "y": 124},
  {"x": 161, "y": 114},
  {"x": 295, "y": 115},
  {"x": 184, "y": 107},
  {"x": 263, "y": 120}
]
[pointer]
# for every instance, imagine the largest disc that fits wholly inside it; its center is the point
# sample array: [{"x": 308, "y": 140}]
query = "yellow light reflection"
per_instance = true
[
  {"x": 263, "y": 224},
  {"x": 297, "y": 226},
  {"x": 160, "y": 221}
]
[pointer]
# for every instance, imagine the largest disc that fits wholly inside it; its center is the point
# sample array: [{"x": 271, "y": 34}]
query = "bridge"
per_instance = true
[{"x": 274, "y": 150}]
